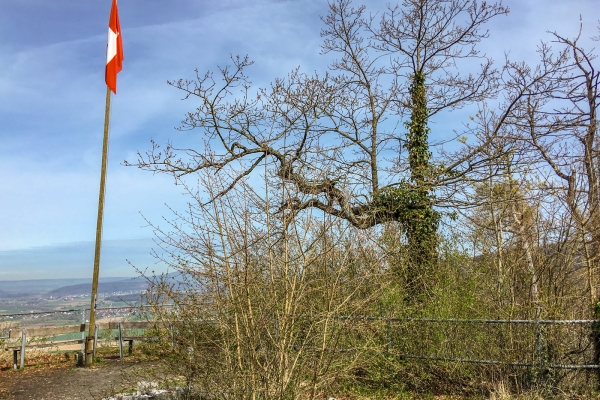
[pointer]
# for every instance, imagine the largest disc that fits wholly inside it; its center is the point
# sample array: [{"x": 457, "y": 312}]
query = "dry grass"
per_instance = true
[
  {"x": 39, "y": 357},
  {"x": 500, "y": 392}
]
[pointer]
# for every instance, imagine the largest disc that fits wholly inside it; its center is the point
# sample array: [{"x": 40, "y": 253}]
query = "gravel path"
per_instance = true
[{"x": 65, "y": 382}]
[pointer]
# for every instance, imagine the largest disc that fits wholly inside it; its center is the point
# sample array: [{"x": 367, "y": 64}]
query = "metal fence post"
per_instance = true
[
  {"x": 23, "y": 342},
  {"x": 388, "y": 334},
  {"x": 120, "y": 340},
  {"x": 543, "y": 375},
  {"x": 172, "y": 336},
  {"x": 83, "y": 332},
  {"x": 14, "y": 352},
  {"x": 595, "y": 336}
]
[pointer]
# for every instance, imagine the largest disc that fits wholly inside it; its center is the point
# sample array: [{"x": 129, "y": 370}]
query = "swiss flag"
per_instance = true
[{"x": 114, "y": 49}]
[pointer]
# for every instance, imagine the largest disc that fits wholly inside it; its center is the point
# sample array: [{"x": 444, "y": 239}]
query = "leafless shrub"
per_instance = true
[{"x": 263, "y": 307}]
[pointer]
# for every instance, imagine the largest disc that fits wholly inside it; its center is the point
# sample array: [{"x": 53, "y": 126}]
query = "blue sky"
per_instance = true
[{"x": 52, "y": 99}]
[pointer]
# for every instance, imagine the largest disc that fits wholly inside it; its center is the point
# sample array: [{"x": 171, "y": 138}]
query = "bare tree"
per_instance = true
[
  {"x": 561, "y": 125},
  {"x": 426, "y": 39},
  {"x": 342, "y": 139}
]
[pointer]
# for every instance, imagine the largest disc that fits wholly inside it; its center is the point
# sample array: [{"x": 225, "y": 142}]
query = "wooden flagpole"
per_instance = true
[{"x": 89, "y": 348}]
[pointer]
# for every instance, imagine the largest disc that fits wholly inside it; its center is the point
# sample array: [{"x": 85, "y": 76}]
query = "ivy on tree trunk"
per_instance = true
[{"x": 420, "y": 220}]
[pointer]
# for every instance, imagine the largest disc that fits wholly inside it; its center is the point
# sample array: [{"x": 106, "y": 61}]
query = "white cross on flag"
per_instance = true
[{"x": 114, "y": 49}]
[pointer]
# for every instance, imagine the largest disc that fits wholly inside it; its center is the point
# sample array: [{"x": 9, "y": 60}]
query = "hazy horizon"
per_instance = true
[{"x": 75, "y": 260}]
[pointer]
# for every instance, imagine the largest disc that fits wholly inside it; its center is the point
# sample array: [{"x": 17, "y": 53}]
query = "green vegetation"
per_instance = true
[{"x": 326, "y": 236}]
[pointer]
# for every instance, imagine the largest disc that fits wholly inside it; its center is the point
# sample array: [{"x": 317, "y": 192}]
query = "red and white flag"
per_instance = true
[{"x": 114, "y": 49}]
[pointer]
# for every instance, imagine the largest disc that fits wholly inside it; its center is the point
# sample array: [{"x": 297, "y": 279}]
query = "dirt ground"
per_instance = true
[{"x": 62, "y": 380}]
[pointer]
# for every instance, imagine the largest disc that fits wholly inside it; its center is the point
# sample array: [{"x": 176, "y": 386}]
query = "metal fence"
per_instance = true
[
  {"x": 553, "y": 344},
  {"x": 542, "y": 346}
]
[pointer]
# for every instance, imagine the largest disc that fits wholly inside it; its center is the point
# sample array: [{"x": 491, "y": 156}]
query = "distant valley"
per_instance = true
[{"x": 62, "y": 294}]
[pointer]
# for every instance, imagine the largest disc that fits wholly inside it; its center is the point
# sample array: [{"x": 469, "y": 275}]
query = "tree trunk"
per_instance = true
[{"x": 421, "y": 219}]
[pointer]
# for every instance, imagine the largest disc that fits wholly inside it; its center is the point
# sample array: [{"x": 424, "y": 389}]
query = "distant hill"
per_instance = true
[
  {"x": 128, "y": 298},
  {"x": 103, "y": 287},
  {"x": 41, "y": 286},
  {"x": 7, "y": 295}
]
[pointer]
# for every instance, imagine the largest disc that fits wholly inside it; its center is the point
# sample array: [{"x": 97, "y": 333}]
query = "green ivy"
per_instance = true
[{"x": 413, "y": 200}]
